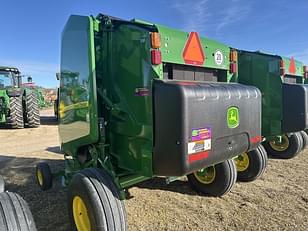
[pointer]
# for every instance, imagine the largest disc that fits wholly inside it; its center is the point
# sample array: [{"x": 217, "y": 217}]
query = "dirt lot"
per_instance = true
[{"x": 277, "y": 201}]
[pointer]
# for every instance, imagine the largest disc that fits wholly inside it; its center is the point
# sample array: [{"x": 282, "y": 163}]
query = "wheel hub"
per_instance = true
[
  {"x": 80, "y": 214},
  {"x": 206, "y": 175},
  {"x": 280, "y": 146},
  {"x": 242, "y": 162}
]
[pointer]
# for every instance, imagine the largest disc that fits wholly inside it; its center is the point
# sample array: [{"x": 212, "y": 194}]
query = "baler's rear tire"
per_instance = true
[
  {"x": 15, "y": 214},
  {"x": 251, "y": 165},
  {"x": 305, "y": 139},
  {"x": 93, "y": 202},
  {"x": 16, "y": 119},
  {"x": 215, "y": 180},
  {"x": 290, "y": 146},
  {"x": 32, "y": 110},
  {"x": 43, "y": 176}
]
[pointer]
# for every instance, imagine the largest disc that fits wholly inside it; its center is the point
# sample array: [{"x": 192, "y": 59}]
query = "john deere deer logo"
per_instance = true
[{"x": 233, "y": 119}]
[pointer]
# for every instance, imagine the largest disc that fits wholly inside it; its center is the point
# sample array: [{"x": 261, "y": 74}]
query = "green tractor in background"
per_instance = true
[
  {"x": 18, "y": 105},
  {"x": 38, "y": 91}
]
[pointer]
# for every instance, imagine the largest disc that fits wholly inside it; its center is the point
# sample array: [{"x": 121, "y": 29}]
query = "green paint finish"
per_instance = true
[
  {"x": 263, "y": 71},
  {"x": 78, "y": 102},
  {"x": 173, "y": 43},
  {"x": 8, "y": 83},
  {"x": 233, "y": 117}
]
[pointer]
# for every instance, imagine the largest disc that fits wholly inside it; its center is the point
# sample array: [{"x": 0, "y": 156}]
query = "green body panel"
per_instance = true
[
  {"x": 4, "y": 109},
  {"x": 173, "y": 43},
  {"x": 128, "y": 66},
  {"x": 263, "y": 71},
  {"x": 78, "y": 120},
  {"x": 100, "y": 110}
]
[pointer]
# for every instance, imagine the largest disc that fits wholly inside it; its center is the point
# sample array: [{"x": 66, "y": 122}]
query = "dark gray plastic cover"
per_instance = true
[
  {"x": 295, "y": 107},
  {"x": 191, "y": 129}
]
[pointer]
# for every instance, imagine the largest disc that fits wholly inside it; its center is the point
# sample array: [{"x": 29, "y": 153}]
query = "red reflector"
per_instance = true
[
  {"x": 197, "y": 156},
  {"x": 156, "y": 57},
  {"x": 233, "y": 68},
  {"x": 255, "y": 139}
]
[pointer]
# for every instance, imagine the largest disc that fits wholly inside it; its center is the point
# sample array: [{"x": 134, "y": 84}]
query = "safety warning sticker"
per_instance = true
[
  {"x": 201, "y": 134},
  {"x": 199, "y": 146},
  {"x": 201, "y": 140}
]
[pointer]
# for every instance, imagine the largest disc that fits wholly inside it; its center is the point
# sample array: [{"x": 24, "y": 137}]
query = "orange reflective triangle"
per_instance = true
[
  {"x": 193, "y": 51},
  {"x": 292, "y": 67}
]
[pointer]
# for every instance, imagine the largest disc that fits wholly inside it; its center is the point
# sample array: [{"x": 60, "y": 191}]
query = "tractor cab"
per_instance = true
[{"x": 9, "y": 78}]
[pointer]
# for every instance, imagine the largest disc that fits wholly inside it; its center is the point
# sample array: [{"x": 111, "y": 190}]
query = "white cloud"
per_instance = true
[
  {"x": 196, "y": 14},
  {"x": 234, "y": 13},
  {"x": 209, "y": 16}
]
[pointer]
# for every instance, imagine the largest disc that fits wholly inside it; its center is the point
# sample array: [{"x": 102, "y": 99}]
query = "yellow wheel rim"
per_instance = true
[
  {"x": 280, "y": 146},
  {"x": 242, "y": 162},
  {"x": 206, "y": 175},
  {"x": 39, "y": 176},
  {"x": 80, "y": 214}
]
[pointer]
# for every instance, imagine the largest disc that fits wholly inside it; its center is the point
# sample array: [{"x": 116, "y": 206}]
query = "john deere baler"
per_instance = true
[
  {"x": 139, "y": 100},
  {"x": 284, "y": 99}
]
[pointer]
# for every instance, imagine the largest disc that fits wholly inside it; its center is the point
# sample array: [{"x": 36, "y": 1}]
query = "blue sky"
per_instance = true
[{"x": 31, "y": 29}]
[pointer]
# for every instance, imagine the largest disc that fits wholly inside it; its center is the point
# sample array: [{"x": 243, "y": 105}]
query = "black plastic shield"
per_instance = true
[{"x": 198, "y": 124}]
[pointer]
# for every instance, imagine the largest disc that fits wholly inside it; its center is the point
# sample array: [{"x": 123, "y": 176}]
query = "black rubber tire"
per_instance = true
[
  {"x": 46, "y": 176},
  {"x": 2, "y": 184},
  {"x": 32, "y": 112},
  {"x": 15, "y": 214},
  {"x": 305, "y": 139},
  {"x": 257, "y": 164},
  {"x": 16, "y": 118},
  {"x": 225, "y": 179},
  {"x": 295, "y": 146},
  {"x": 55, "y": 108},
  {"x": 101, "y": 198}
]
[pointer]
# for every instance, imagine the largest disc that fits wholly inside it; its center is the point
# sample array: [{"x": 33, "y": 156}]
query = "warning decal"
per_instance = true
[
  {"x": 201, "y": 134},
  {"x": 199, "y": 146},
  {"x": 193, "y": 52},
  {"x": 201, "y": 140}
]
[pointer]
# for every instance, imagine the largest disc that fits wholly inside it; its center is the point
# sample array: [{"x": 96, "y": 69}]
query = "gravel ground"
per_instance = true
[{"x": 276, "y": 201}]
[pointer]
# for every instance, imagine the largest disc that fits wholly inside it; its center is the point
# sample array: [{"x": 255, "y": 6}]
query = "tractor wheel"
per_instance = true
[
  {"x": 215, "y": 180},
  {"x": 15, "y": 214},
  {"x": 2, "y": 184},
  {"x": 16, "y": 119},
  {"x": 289, "y": 147},
  {"x": 93, "y": 202},
  {"x": 305, "y": 139},
  {"x": 44, "y": 176},
  {"x": 251, "y": 165},
  {"x": 32, "y": 113}
]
